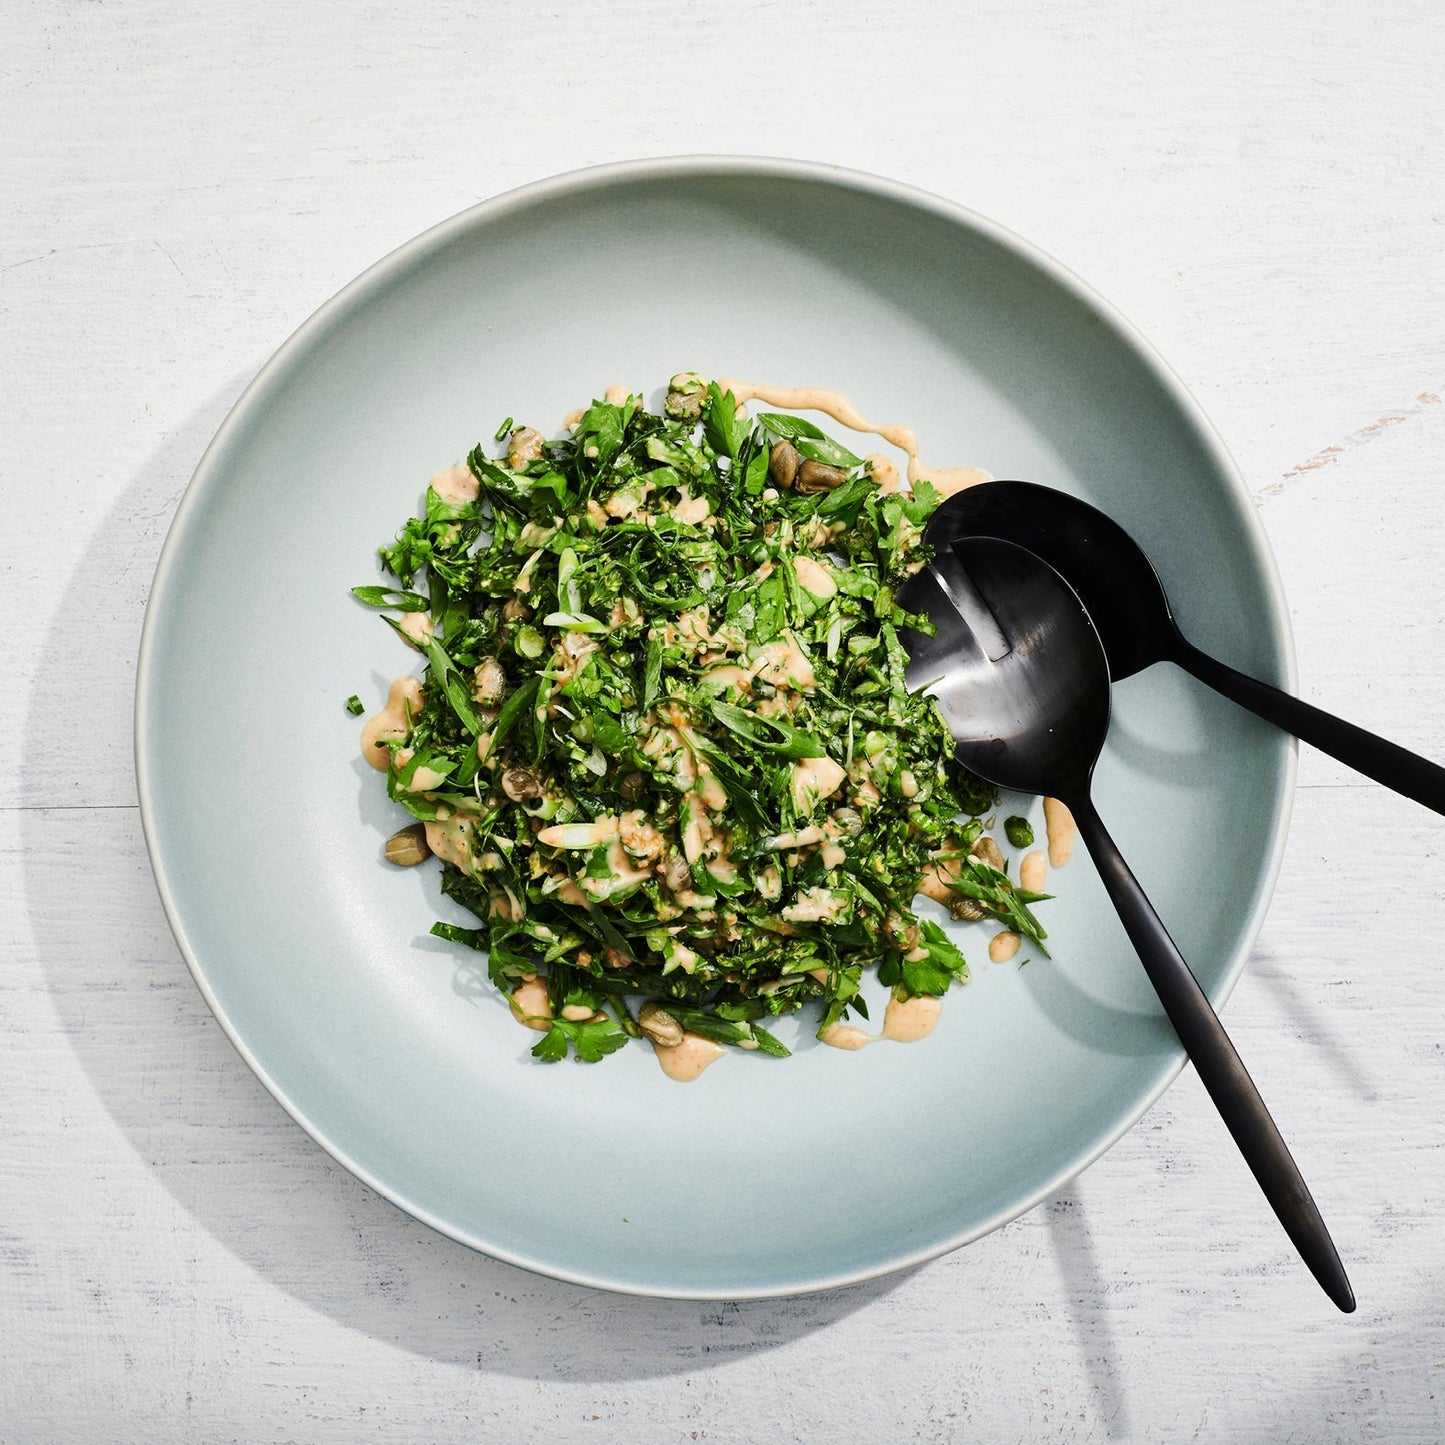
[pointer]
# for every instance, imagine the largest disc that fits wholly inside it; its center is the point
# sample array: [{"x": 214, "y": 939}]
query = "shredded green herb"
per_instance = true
[
  {"x": 665, "y": 749},
  {"x": 355, "y": 706}
]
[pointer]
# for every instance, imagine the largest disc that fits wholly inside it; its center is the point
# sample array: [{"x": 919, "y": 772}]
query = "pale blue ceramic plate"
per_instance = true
[{"x": 265, "y": 830}]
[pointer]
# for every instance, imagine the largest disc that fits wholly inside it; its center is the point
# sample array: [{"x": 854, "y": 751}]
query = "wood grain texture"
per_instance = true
[{"x": 1258, "y": 187}]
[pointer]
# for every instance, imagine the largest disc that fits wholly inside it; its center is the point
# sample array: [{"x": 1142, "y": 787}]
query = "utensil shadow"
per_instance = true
[
  {"x": 1084, "y": 1285},
  {"x": 1095, "y": 1021},
  {"x": 222, "y": 1147},
  {"x": 1335, "y": 1046}
]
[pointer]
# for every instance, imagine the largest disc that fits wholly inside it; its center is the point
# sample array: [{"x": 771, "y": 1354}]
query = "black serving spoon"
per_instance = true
[
  {"x": 1019, "y": 674},
  {"x": 1126, "y": 601}
]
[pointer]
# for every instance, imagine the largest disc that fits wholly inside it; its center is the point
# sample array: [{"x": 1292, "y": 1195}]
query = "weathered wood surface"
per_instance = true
[{"x": 1261, "y": 188}]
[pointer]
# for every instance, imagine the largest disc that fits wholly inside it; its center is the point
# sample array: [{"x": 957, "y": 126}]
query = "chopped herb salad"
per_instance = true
[{"x": 662, "y": 743}]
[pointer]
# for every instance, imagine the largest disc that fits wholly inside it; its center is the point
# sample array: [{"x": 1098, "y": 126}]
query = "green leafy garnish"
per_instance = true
[
  {"x": 810, "y": 442},
  {"x": 665, "y": 744},
  {"x": 591, "y": 1040}
]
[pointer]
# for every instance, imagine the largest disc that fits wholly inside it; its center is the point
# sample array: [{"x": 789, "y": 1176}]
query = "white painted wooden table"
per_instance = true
[{"x": 1260, "y": 186}]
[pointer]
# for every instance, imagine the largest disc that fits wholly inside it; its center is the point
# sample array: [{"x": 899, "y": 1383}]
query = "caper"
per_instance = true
[
  {"x": 409, "y": 847},
  {"x": 676, "y": 873},
  {"x": 521, "y": 785},
  {"x": 820, "y": 477},
  {"x": 489, "y": 682},
  {"x": 783, "y": 463},
  {"x": 686, "y": 393},
  {"x": 659, "y": 1025},
  {"x": 903, "y": 934}
]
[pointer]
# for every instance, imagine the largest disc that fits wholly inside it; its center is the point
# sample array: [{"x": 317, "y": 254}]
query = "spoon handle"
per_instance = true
[
  {"x": 1215, "y": 1060},
  {"x": 1397, "y": 768}
]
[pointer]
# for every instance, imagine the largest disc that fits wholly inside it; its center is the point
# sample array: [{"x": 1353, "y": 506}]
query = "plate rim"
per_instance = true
[{"x": 392, "y": 267}]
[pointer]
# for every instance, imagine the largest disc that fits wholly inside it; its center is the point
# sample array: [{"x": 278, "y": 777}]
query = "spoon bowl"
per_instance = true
[
  {"x": 1016, "y": 666},
  {"x": 1021, "y": 678},
  {"x": 1117, "y": 585}
]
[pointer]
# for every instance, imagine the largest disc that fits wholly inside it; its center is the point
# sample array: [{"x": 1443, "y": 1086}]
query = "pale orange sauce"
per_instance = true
[
  {"x": 1003, "y": 946},
  {"x": 1061, "y": 829},
  {"x": 531, "y": 1006},
  {"x": 905, "y": 1021},
  {"x": 845, "y": 1036},
  {"x": 814, "y": 577},
  {"x": 614, "y": 395},
  {"x": 685, "y": 1061},
  {"x": 417, "y": 627},
  {"x": 455, "y": 485},
  {"x": 834, "y": 404},
  {"x": 450, "y": 840},
  {"x": 390, "y": 724},
  {"x": 1034, "y": 872}
]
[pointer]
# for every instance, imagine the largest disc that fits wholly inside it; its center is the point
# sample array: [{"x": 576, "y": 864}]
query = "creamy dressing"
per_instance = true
[
  {"x": 450, "y": 839},
  {"x": 531, "y": 1006},
  {"x": 685, "y": 1061},
  {"x": 614, "y": 395},
  {"x": 905, "y": 1021},
  {"x": 723, "y": 870},
  {"x": 885, "y": 473},
  {"x": 711, "y": 791},
  {"x": 782, "y": 663},
  {"x": 417, "y": 627},
  {"x": 625, "y": 873},
  {"x": 572, "y": 652},
  {"x": 815, "y": 905},
  {"x": 947, "y": 480},
  {"x": 456, "y": 485},
  {"x": 697, "y": 831},
  {"x": 814, "y": 577},
  {"x": 1061, "y": 829},
  {"x": 845, "y": 1036},
  {"x": 785, "y": 664},
  {"x": 1003, "y": 946},
  {"x": 581, "y": 835},
  {"x": 815, "y": 779},
  {"x": 390, "y": 724},
  {"x": 1034, "y": 872},
  {"x": 691, "y": 511},
  {"x": 568, "y": 892}
]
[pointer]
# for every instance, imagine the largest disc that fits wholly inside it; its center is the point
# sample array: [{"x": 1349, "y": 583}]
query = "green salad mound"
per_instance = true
[{"x": 663, "y": 744}]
